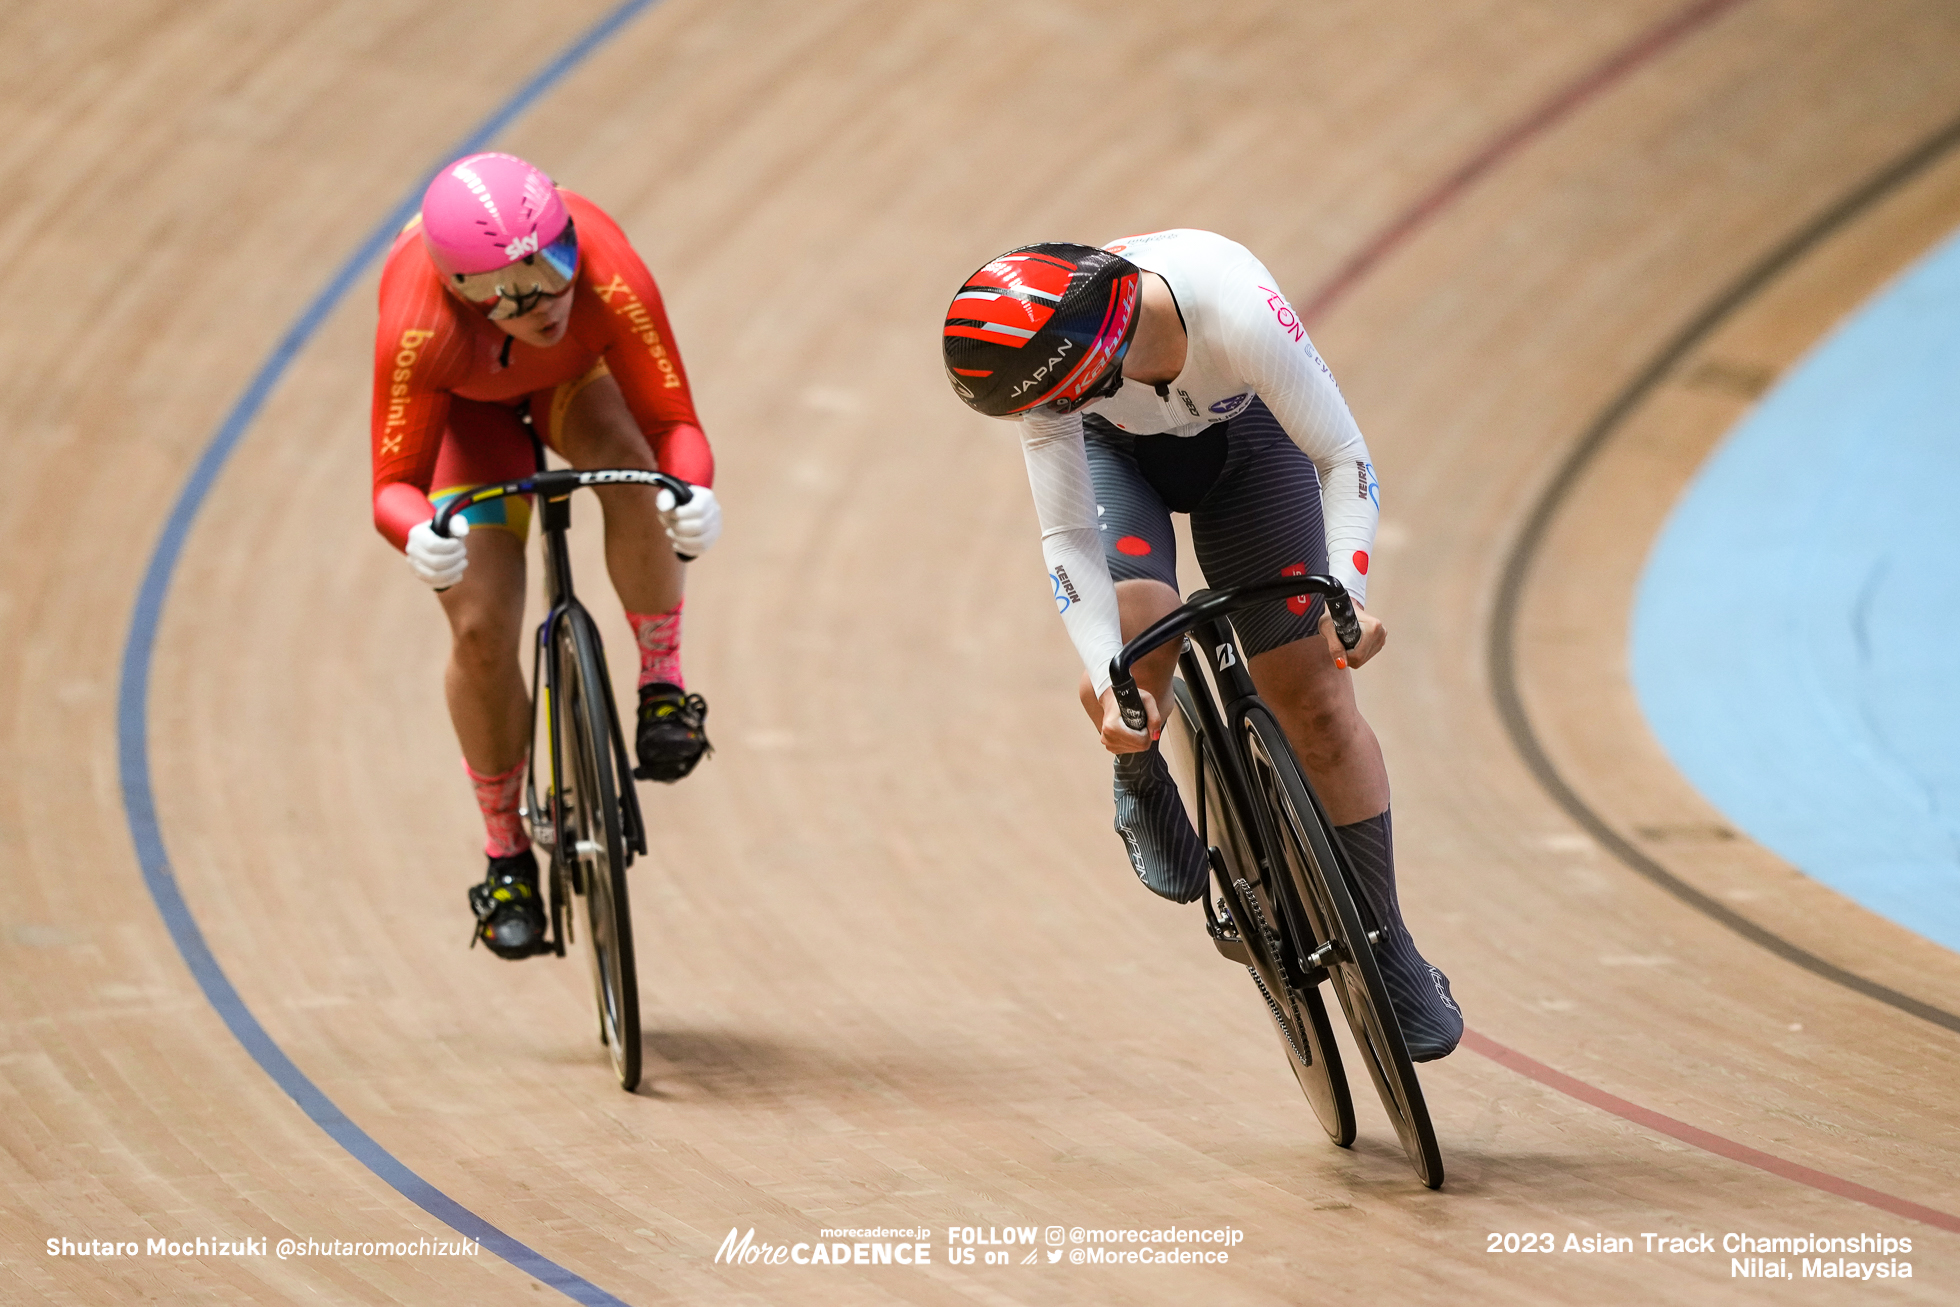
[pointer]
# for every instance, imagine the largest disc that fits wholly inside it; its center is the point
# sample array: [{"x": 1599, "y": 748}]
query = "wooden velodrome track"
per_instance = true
[{"x": 894, "y": 969}]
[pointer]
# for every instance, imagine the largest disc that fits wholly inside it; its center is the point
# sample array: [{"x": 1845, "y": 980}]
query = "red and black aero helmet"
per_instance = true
[{"x": 1042, "y": 324}]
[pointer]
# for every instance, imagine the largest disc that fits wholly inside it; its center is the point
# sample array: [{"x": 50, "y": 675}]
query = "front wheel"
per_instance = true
[
  {"x": 1305, "y": 844},
  {"x": 590, "y": 842},
  {"x": 1250, "y": 929}
]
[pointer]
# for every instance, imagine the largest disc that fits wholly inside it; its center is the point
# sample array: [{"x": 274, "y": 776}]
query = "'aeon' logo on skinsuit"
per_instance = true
[
  {"x": 1283, "y": 313},
  {"x": 640, "y": 323},
  {"x": 396, "y": 426}
]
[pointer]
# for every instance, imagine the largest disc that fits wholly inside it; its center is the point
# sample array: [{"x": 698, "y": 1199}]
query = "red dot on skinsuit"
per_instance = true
[
  {"x": 1361, "y": 561},
  {"x": 1134, "y": 546},
  {"x": 1298, "y": 604}
]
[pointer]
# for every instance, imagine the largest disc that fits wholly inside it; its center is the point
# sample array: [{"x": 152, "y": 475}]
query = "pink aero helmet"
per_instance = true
[{"x": 499, "y": 234}]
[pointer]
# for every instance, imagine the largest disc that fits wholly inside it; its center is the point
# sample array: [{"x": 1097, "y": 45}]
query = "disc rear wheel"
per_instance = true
[{"x": 1249, "y": 928}]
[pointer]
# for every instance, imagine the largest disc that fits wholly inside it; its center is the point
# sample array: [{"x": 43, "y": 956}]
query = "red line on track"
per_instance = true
[
  {"x": 1660, "y": 1123},
  {"x": 1617, "y": 65}
]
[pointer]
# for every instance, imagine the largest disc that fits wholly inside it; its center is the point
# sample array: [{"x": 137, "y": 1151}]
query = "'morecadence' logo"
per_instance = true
[{"x": 740, "y": 1249}]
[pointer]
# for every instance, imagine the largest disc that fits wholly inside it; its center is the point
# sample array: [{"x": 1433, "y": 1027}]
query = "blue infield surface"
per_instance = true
[{"x": 1796, "y": 633}]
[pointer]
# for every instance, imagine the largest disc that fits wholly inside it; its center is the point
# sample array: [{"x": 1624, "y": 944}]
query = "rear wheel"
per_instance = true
[
  {"x": 1304, "y": 843},
  {"x": 591, "y": 844},
  {"x": 1249, "y": 929}
]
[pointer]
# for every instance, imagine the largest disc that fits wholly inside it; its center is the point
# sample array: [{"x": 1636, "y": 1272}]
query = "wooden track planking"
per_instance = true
[
  {"x": 1577, "y": 624},
  {"x": 1873, "y": 1075},
  {"x": 1597, "y": 972},
  {"x": 186, "y": 178},
  {"x": 893, "y": 965}
]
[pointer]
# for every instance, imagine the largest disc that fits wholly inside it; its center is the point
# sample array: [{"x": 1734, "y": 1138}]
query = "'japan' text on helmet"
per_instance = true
[
  {"x": 499, "y": 233},
  {"x": 1042, "y": 325}
]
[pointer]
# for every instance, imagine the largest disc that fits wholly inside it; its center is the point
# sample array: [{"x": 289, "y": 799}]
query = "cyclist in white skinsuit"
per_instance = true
[{"x": 1164, "y": 373}]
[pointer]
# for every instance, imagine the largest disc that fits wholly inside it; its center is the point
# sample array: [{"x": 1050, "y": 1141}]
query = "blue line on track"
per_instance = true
[
  {"x": 132, "y": 710},
  {"x": 1794, "y": 630}
]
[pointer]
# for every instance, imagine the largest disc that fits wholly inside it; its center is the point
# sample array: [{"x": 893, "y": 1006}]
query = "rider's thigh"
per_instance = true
[
  {"x": 483, "y": 443},
  {"x": 1142, "y": 602},
  {"x": 1261, "y": 521},
  {"x": 1313, "y": 698},
  {"x": 486, "y": 608},
  {"x": 587, "y": 421},
  {"x": 1138, "y": 541}
]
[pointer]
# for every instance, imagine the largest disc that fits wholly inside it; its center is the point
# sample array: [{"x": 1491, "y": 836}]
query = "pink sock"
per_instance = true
[
  {"x": 659, "y": 637},
  {"x": 497, "y": 797}
]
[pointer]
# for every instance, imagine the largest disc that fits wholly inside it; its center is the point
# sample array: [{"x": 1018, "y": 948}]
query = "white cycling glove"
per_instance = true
[
  {"x": 692, "y": 526},
  {"x": 439, "y": 561}
]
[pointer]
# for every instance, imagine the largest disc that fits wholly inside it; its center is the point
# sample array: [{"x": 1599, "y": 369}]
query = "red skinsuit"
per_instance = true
[{"x": 432, "y": 349}]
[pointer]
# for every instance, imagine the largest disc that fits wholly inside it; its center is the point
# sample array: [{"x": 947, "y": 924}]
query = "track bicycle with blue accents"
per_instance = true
[
  {"x": 589, "y": 821},
  {"x": 1286, "y": 908}
]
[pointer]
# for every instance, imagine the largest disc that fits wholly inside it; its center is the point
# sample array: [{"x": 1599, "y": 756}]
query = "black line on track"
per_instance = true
[{"x": 1502, "y": 646}]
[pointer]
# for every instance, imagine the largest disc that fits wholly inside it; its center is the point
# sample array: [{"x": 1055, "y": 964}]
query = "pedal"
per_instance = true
[
  {"x": 1231, "y": 947},
  {"x": 1224, "y": 931},
  {"x": 1220, "y": 925},
  {"x": 543, "y": 833}
]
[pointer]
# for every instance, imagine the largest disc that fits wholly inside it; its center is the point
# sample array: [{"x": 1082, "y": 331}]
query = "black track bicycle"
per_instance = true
[
  {"x": 589, "y": 821},
  {"x": 1286, "y": 909}
]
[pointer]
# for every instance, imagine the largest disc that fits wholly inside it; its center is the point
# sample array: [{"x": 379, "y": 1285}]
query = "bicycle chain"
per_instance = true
[{"x": 1271, "y": 937}]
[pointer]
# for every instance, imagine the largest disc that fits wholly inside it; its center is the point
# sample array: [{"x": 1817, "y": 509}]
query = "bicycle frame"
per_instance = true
[
  {"x": 555, "y": 519},
  {"x": 1203, "y": 621},
  {"x": 1216, "y": 651},
  {"x": 1274, "y": 797},
  {"x": 553, "y": 489}
]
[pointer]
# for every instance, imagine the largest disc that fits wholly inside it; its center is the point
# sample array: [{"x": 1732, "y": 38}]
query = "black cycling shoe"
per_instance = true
[
  {"x": 671, "y": 737},
  {"x": 1432, "y": 1023},
  {"x": 1164, "y": 850},
  {"x": 509, "y": 910}
]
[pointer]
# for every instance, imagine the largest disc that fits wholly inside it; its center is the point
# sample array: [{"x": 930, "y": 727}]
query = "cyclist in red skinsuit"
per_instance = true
[
  {"x": 593, "y": 365},
  {"x": 452, "y": 352}
]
